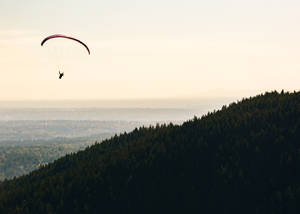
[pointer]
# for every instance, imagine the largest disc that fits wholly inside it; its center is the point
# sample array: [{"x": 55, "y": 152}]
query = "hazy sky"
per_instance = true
[{"x": 148, "y": 49}]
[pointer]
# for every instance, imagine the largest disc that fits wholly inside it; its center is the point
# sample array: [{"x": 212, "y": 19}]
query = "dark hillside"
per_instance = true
[{"x": 244, "y": 158}]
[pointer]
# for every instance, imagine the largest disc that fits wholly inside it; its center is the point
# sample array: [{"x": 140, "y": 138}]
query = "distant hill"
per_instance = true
[
  {"x": 27, "y": 144},
  {"x": 244, "y": 158}
]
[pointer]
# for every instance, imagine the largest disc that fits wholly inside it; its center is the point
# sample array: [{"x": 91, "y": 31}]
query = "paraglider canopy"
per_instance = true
[{"x": 66, "y": 37}]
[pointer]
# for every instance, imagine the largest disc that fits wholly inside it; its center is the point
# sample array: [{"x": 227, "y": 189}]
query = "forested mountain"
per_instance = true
[{"x": 244, "y": 158}]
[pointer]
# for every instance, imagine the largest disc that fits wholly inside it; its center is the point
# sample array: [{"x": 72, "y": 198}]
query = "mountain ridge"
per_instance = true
[{"x": 242, "y": 158}]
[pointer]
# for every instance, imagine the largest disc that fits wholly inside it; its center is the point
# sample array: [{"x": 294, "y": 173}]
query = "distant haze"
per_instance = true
[
  {"x": 126, "y": 103},
  {"x": 127, "y": 110}
]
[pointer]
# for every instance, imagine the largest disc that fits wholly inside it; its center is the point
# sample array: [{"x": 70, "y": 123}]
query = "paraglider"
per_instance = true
[{"x": 61, "y": 74}]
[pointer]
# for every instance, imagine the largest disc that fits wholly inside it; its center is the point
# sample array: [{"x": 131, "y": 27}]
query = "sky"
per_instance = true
[{"x": 156, "y": 49}]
